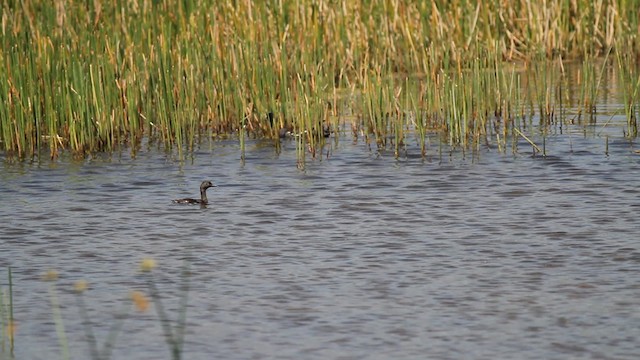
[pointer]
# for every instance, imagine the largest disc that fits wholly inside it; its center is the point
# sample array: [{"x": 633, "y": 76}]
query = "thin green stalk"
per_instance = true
[
  {"x": 12, "y": 321},
  {"x": 7, "y": 321},
  {"x": 181, "y": 325},
  {"x": 88, "y": 327},
  {"x": 112, "y": 336},
  {"x": 59, "y": 323},
  {"x": 169, "y": 335},
  {"x": 11, "y": 317}
]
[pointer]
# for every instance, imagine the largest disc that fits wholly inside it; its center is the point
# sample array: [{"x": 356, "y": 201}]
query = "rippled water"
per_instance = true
[{"x": 359, "y": 256}]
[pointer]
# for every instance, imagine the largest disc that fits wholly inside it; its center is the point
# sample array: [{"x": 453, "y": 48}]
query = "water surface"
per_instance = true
[{"x": 358, "y": 256}]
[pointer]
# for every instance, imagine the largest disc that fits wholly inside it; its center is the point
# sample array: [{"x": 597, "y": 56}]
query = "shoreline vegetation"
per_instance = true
[{"x": 94, "y": 76}]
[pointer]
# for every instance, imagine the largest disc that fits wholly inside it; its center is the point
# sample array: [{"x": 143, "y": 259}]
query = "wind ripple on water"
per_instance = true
[{"x": 356, "y": 257}]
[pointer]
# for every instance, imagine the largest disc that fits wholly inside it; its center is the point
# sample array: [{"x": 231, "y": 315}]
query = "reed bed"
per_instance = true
[{"x": 96, "y": 76}]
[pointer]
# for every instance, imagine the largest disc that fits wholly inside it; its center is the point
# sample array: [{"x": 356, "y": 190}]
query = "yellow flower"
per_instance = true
[
  {"x": 147, "y": 264},
  {"x": 11, "y": 329},
  {"x": 50, "y": 275},
  {"x": 140, "y": 301},
  {"x": 80, "y": 286}
]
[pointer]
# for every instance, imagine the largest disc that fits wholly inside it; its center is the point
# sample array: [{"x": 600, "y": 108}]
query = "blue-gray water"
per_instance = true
[{"x": 359, "y": 256}]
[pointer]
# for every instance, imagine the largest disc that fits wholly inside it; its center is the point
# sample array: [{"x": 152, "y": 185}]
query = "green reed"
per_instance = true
[
  {"x": 629, "y": 78},
  {"x": 52, "y": 277},
  {"x": 418, "y": 120},
  {"x": 541, "y": 81},
  {"x": 7, "y": 320},
  {"x": 593, "y": 81},
  {"x": 85, "y": 77},
  {"x": 173, "y": 329}
]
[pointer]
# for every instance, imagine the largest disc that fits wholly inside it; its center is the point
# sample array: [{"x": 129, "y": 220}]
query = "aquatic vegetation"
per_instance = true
[
  {"x": 97, "y": 352},
  {"x": 630, "y": 82},
  {"x": 80, "y": 287},
  {"x": 51, "y": 277},
  {"x": 8, "y": 324},
  {"x": 173, "y": 332},
  {"x": 86, "y": 77}
]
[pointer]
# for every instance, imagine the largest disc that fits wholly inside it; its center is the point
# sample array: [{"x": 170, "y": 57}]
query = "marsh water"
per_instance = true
[{"x": 360, "y": 255}]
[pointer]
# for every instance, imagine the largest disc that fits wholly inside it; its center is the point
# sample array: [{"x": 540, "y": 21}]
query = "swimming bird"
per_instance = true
[{"x": 203, "y": 195}]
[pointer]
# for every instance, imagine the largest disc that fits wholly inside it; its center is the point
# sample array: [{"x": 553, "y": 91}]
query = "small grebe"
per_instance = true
[{"x": 203, "y": 195}]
